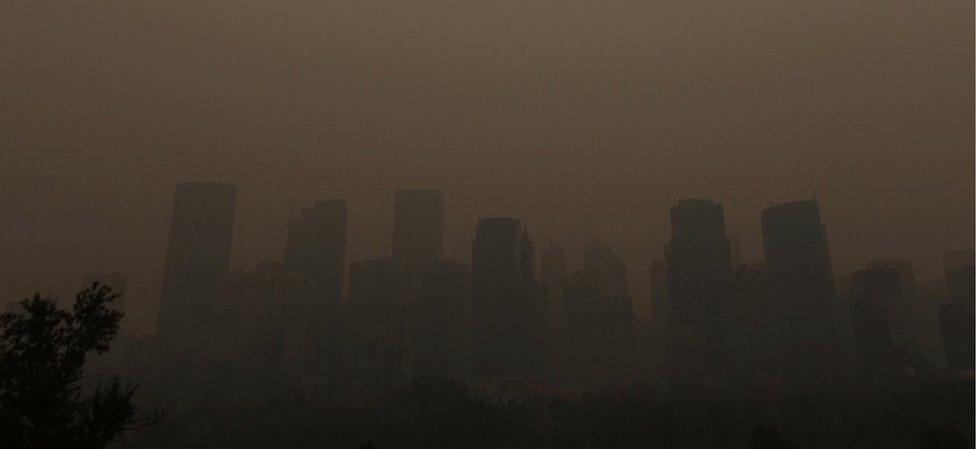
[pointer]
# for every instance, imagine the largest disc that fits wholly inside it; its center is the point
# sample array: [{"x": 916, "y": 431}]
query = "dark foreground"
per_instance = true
[{"x": 931, "y": 414}]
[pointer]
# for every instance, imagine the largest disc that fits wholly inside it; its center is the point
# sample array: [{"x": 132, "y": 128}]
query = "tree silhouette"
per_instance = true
[{"x": 43, "y": 350}]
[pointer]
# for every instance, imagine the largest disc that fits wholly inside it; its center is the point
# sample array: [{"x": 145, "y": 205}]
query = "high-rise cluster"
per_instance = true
[{"x": 308, "y": 321}]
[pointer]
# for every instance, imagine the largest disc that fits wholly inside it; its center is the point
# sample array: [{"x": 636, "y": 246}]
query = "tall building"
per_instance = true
[
  {"x": 654, "y": 332},
  {"x": 553, "y": 277},
  {"x": 385, "y": 280},
  {"x": 418, "y": 224},
  {"x": 371, "y": 344},
  {"x": 931, "y": 294},
  {"x": 201, "y": 231},
  {"x": 881, "y": 312},
  {"x": 701, "y": 327},
  {"x": 504, "y": 297},
  {"x": 600, "y": 323},
  {"x": 609, "y": 269},
  {"x": 750, "y": 294},
  {"x": 802, "y": 290},
  {"x": 658, "y": 273},
  {"x": 260, "y": 316},
  {"x": 956, "y": 314},
  {"x": 960, "y": 272},
  {"x": 441, "y": 322},
  {"x": 117, "y": 282},
  {"x": 316, "y": 249}
]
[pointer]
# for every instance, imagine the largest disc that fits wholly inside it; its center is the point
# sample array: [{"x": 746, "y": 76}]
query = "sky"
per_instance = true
[{"x": 587, "y": 119}]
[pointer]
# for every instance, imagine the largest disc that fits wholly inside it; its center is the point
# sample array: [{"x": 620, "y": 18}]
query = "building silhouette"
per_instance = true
[
  {"x": 931, "y": 294},
  {"x": 699, "y": 269},
  {"x": 393, "y": 280},
  {"x": 259, "y": 324},
  {"x": 552, "y": 272},
  {"x": 418, "y": 224},
  {"x": 802, "y": 290},
  {"x": 505, "y": 297},
  {"x": 316, "y": 249},
  {"x": 956, "y": 314},
  {"x": 600, "y": 323},
  {"x": 750, "y": 295},
  {"x": 198, "y": 252},
  {"x": 430, "y": 302},
  {"x": 441, "y": 322},
  {"x": 607, "y": 267},
  {"x": 881, "y": 313},
  {"x": 370, "y": 347},
  {"x": 655, "y": 332}
]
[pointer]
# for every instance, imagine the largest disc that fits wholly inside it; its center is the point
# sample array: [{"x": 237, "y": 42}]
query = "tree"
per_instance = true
[{"x": 43, "y": 350}]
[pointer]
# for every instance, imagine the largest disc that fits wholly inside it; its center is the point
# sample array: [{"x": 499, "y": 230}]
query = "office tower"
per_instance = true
[
  {"x": 553, "y": 276},
  {"x": 316, "y": 249},
  {"x": 385, "y": 280},
  {"x": 735, "y": 249},
  {"x": 200, "y": 237},
  {"x": 658, "y": 273},
  {"x": 802, "y": 290},
  {"x": 749, "y": 292},
  {"x": 956, "y": 314},
  {"x": 901, "y": 312},
  {"x": 608, "y": 268},
  {"x": 504, "y": 294},
  {"x": 388, "y": 287},
  {"x": 931, "y": 294},
  {"x": 960, "y": 273},
  {"x": 599, "y": 331},
  {"x": 881, "y": 314},
  {"x": 260, "y": 316},
  {"x": 699, "y": 267},
  {"x": 654, "y": 332},
  {"x": 370, "y": 345},
  {"x": 117, "y": 282},
  {"x": 418, "y": 224},
  {"x": 441, "y": 322}
]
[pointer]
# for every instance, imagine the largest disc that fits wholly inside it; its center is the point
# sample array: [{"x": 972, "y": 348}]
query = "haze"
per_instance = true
[{"x": 586, "y": 119}]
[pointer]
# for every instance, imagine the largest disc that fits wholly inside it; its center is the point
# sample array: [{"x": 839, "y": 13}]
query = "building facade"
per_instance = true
[{"x": 198, "y": 253}]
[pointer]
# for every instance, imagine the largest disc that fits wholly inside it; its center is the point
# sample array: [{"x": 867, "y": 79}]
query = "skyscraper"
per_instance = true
[
  {"x": 385, "y": 280},
  {"x": 750, "y": 294},
  {"x": 882, "y": 316},
  {"x": 261, "y": 315},
  {"x": 441, "y": 322},
  {"x": 201, "y": 231},
  {"x": 607, "y": 267},
  {"x": 802, "y": 289},
  {"x": 418, "y": 224},
  {"x": 553, "y": 274},
  {"x": 316, "y": 249},
  {"x": 956, "y": 314},
  {"x": 503, "y": 289},
  {"x": 699, "y": 267},
  {"x": 599, "y": 331}
]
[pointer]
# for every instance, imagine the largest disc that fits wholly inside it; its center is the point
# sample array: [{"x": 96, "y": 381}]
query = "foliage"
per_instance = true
[{"x": 43, "y": 351}]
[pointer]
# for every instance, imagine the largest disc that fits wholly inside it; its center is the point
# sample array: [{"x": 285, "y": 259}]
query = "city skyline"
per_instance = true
[
  {"x": 587, "y": 120},
  {"x": 144, "y": 312},
  {"x": 525, "y": 224}
]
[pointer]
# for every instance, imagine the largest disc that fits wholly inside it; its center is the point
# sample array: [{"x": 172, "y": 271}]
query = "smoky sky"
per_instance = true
[{"x": 587, "y": 119}]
